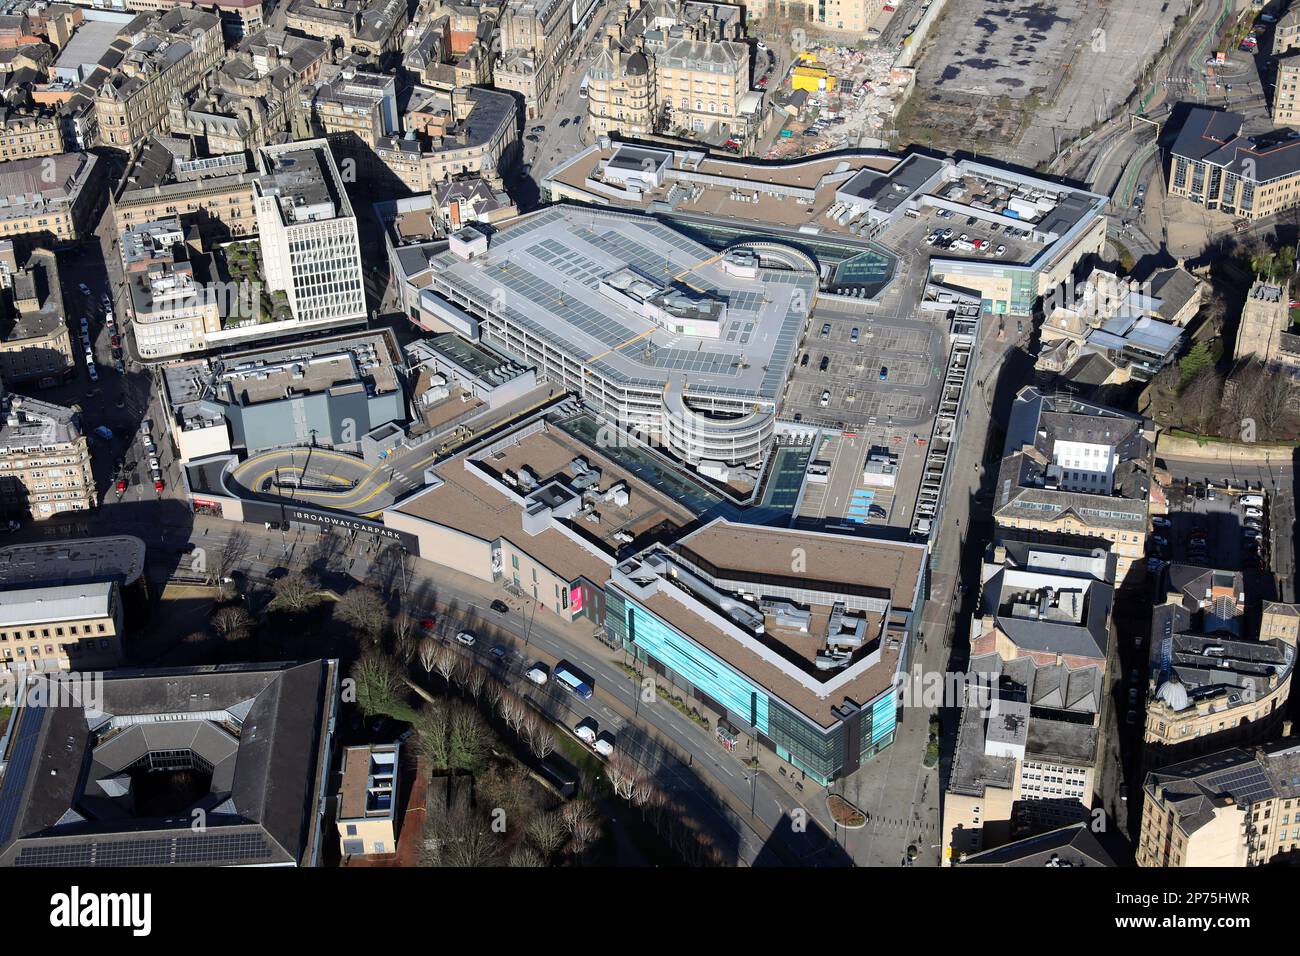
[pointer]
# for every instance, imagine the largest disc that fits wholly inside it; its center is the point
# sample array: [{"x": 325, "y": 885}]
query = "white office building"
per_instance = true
[{"x": 310, "y": 250}]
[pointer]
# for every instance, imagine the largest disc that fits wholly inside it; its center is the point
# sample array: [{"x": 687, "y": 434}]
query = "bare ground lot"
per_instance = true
[{"x": 1009, "y": 77}]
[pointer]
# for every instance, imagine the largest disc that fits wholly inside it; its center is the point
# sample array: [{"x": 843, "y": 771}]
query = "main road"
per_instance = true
[{"x": 747, "y": 813}]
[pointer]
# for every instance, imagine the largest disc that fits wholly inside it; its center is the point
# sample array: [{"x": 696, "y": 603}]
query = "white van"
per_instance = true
[
  {"x": 1252, "y": 501},
  {"x": 537, "y": 674}
]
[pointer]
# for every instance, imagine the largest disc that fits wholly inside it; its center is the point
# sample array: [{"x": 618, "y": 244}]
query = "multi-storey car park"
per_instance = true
[{"x": 665, "y": 337}]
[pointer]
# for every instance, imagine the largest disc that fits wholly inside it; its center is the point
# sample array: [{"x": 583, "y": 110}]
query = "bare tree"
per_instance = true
[
  {"x": 379, "y": 683},
  {"x": 222, "y": 560},
  {"x": 624, "y": 774},
  {"x": 433, "y": 731},
  {"x": 505, "y": 789},
  {"x": 406, "y": 638},
  {"x": 547, "y": 832},
  {"x": 494, "y": 691},
  {"x": 366, "y": 611},
  {"x": 583, "y": 837},
  {"x": 232, "y": 623},
  {"x": 446, "y": 662},
  {"x": 525, "y": 856},
  {"x": 1274, "y": 401},
  {"x": 460, "y": 838},
  {"x": 541, "y": 739},
  {"x": 474, "y": 680},
  {"x": 575, "y": 812},
  {"x": 1200, "y": 400},
  {"x": 643, "y": 790},
  {"x": 514, "y": 710},
  {"x": 428, "y": 653},
  {"x": 296, "y": 593},
  {"x": 468, "y": 738},
  {"x": 1214, "y": 310}
]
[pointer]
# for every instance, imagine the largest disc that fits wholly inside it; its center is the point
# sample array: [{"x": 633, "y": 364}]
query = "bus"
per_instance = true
[
  {"x": 577, "y": 684},
  {"x": 582, "y": 88}
]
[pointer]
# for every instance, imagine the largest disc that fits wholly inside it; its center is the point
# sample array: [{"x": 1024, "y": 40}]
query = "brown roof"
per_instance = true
[
  {"x": 547, "y": 454},
  {"x": 356, "y": 771},
  {"x": 829, "y": 558},
  {"x": 811, "y": 704},
  {"x": 717, "y": 200},
  {"x": 469, "y": 505}
]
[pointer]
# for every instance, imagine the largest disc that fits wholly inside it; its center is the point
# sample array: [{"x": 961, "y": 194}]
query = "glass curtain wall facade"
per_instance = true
[{"x": 820, "y": 753}]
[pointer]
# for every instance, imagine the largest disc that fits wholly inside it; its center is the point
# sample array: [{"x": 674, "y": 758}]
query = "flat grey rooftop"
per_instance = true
[
  {"x": 72, "y": 561},
  {"x": 544, "y": 271}
]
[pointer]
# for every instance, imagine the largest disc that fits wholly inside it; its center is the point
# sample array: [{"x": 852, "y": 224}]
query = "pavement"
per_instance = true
[{"x": 751, "y": 816}]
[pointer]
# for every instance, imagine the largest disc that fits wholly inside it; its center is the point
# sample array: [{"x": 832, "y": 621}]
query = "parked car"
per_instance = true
[
  {"x": 537, "y": 674},
  {"x": 824, "y": 364},
  {"x": 467, "y": 638},
  {"x": 884, "y": 373},
  {"x": 500, "y": 606},
  {"x": 498, "y": 652},
  {"x": 826, "y": 329},
  {"x": 85, "y": 289},
  {"x": 825, "y": 399},
  {"x": 853, "y": 335}
]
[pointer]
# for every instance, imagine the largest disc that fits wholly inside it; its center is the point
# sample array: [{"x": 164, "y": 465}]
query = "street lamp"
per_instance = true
[{"x": 529, "y": 629}]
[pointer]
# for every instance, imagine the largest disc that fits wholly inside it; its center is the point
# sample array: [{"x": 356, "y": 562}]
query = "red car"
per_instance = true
[
  {"x": 157, "y": 484},
  {"x": 121, "y": 485}
]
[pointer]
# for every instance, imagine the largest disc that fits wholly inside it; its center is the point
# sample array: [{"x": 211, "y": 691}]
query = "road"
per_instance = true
[
  {"x": 684, "y": 756},
  {"x": 556, "y": 141}
]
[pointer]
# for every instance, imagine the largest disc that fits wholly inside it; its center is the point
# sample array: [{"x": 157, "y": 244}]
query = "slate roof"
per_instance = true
[
  {"x": 1072, "y": 846},
  {"x": 262, "y": 729},
  {"x": 1213, "y": 137}
]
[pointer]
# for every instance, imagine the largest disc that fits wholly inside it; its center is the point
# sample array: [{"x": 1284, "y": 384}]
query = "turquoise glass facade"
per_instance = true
[
  {"x": 820, "y": 752},
  {"x": 698, "y": 667}
]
